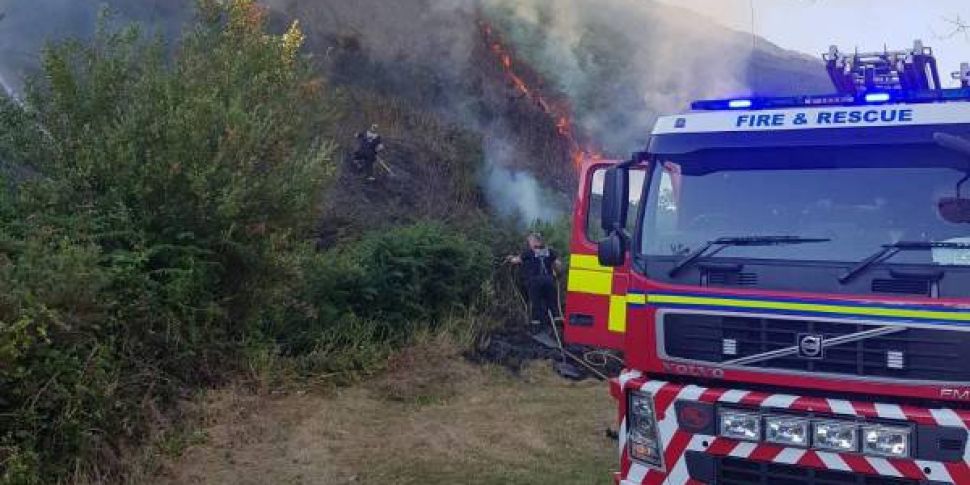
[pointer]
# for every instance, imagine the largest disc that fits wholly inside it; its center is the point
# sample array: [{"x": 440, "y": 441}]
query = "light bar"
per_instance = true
[
  {"x": 820, "y": 433},
  {"x": 912, "y": 97}
]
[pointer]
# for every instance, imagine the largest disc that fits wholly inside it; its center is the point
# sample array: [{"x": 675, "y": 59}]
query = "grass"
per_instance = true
[{"x": 488, "y": 427}]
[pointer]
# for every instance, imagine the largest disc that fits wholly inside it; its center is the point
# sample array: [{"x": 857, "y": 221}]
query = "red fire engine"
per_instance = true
[{"x": 789, "y": 279}]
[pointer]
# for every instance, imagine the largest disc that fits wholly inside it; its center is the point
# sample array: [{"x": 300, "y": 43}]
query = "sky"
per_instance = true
[{"x": 811, "y": 26}]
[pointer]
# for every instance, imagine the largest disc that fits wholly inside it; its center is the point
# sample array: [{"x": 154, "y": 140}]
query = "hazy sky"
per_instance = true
[{"x": 810, "y": 26}]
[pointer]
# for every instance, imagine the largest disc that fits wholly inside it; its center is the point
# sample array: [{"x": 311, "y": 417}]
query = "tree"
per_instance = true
[{"x": 166, "y": 200}]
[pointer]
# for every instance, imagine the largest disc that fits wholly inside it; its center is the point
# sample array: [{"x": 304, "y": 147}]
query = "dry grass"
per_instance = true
[
  {"x": 486, "y": 428},
  {"x": 426, "y": 372}
]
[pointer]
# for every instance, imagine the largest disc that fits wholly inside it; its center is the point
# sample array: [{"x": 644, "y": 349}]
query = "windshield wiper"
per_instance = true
[
  {"x": 890, "y": 250},
  {"x": 752, "y": 241}
]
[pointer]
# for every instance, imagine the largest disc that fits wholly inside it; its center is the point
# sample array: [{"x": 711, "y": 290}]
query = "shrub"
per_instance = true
[
  {"x": 159, "y": 208},
  {"x": 364, "y": 297},
  {"x": 418, "y": 272}
]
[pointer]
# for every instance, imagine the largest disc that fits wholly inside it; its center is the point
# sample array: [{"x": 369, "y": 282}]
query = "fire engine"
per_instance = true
[{"x": 789, "y": 279}]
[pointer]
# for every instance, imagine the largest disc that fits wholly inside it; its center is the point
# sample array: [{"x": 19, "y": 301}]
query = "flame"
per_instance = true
[{"x": 560, "y": 112}]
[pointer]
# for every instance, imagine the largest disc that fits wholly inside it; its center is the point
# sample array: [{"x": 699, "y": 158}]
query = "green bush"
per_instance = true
[
  {"x": 159, "y": 207},
  {"x": 372, "y": 294},
  {"x": 418, "y": 272}
]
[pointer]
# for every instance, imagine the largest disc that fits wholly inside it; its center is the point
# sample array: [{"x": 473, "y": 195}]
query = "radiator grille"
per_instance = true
[
  {"x": 925, "y": 354},
  {"x": 734, "y": 471}
]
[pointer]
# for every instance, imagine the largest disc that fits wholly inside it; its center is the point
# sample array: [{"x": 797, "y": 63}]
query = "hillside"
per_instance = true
[{"x": 616, "y": 66}]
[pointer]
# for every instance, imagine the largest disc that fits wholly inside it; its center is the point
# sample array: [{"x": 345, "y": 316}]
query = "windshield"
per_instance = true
[{"x": 858, "y": 205}]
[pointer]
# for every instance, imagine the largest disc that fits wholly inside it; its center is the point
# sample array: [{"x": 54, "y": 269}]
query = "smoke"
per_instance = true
[
  {"x": 27, "y": 26},
  {"x": 515, "y": 192},
  {"x": 621, "y": 63},
  {"x": 421, "y": 46},
  {"x": 7, "y": 89},
  {"x": 430, "y": 52}
]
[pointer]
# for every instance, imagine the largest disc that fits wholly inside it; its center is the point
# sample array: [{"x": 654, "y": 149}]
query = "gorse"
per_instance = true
[{"x": 155, "y": 204}]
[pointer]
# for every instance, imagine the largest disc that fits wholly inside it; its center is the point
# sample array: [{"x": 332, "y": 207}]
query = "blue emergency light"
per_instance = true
[
  {"x": 878, "y": 97},
  {"x": 906, "y": 76},
  {"x": 904, "y": 97}
]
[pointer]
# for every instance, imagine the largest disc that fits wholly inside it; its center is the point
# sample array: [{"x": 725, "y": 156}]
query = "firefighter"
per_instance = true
[
  {"x": 369, "y": 145},
  {"x": 540, "y": 267}
]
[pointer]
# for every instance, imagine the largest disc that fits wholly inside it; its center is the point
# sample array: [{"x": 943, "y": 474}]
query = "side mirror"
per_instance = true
[
  {"x": 616, "y": 188},
  {"x": 955, "y": 210},
  {"x": 616, "y": 202},
  {"x": 612, "y": 250}
]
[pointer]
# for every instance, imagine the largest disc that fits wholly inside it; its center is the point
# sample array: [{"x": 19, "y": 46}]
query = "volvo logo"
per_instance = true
[{"x": 811, "y": 346}]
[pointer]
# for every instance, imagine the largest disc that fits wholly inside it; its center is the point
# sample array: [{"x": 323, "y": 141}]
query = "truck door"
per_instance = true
[{"x": 596, "y": 295}]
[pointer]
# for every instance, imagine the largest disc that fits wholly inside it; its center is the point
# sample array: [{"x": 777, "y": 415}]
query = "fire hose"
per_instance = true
[{"x": 601, "y": 356}]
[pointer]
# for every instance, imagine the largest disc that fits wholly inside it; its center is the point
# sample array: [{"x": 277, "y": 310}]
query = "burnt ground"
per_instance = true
[{"x": 514, "y": 348}]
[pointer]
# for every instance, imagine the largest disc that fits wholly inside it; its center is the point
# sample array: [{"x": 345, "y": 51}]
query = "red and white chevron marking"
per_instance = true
[{"x": 676, "y": 442}]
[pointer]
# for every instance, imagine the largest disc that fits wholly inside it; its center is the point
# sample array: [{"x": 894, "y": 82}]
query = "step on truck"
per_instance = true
[{"x": 789, "y": 280}]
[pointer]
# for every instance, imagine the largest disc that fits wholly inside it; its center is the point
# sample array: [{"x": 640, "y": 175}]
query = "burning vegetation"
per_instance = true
[{"x": 557, "y": 108}]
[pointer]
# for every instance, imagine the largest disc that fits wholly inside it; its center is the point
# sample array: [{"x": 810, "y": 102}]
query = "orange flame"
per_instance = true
[{"x": 558, "y": 112}]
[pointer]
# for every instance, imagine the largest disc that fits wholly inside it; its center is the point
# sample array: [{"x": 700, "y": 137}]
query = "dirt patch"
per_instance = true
[{"x": 492, "y": 428}]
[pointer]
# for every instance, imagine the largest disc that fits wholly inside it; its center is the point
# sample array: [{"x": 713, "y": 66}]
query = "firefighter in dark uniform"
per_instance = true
[
  {"x": 540, "y": 266},
  {"x": 369, "y": 144}
]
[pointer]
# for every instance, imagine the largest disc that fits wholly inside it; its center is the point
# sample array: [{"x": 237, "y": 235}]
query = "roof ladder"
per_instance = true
[{"x": 861, "y": 72}]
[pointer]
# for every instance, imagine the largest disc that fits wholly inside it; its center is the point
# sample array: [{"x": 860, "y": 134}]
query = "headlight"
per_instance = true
[
  {"x": 821, "y": 433},
  {"x": 642, "y": 418},
  {"x": 642, "y": 437},
  {"x": 740, "y": 425},
  {"x": 835, "y": 436},
  {"x": 886, "y": 441},
  {"x": 786, "y": 430}
]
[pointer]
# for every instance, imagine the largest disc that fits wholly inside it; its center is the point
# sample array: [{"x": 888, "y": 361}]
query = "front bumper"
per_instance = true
[{"x": 678, "y": 444}]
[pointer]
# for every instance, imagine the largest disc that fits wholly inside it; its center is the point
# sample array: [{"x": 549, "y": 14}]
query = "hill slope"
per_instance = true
[{"x": 618, "y": 63}]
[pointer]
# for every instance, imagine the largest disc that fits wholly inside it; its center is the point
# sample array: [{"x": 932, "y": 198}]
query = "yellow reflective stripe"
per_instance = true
[
  {"x": 587, "y": 262},
  {"x": 809, "y": 307},
  {"x": 617, "y": 321},
  {"x": 636, "y": 299},
  {"x": 594, "y": 282},
  {"x": 586, "y": 275}
]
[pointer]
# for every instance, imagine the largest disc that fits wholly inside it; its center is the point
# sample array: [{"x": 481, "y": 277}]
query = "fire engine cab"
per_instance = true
[{"x": 789, "y": 279}]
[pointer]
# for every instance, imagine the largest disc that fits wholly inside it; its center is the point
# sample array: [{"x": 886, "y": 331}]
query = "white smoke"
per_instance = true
[
  {"x": 27, "y": 26},
  {"x": 513, "y": 192},
  {"x": 7, "y": 89},
  {"x": 624, "y": 62}
]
